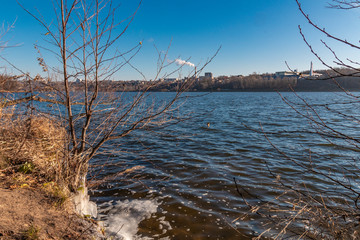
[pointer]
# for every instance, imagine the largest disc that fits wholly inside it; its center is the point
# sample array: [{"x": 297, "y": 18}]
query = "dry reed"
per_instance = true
[{"x": 33, "y": 142}]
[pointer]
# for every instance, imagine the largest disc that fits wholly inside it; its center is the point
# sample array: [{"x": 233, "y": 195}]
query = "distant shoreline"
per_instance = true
[{"x": 327, "y": 82}]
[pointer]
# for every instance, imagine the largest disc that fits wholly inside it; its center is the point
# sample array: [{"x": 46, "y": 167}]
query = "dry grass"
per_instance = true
[
  {"x": 35, "y": 170},
  {"x": 32, "y": 145},
  {"x": 33, "y": 154}
]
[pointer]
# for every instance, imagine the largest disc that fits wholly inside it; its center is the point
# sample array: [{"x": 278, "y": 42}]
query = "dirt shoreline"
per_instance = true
[
  {"x": 29, "y": 213},
  {"x": 35, "y": 197}
]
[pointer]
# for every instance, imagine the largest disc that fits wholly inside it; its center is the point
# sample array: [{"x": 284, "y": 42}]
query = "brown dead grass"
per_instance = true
[
  {"x": 32, "y": 153},
  {"x": 34, "y": 193},
  {"x": 32, "y": 144}
]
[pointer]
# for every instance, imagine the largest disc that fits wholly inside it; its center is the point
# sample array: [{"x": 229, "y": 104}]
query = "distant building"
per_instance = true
[
  {"x": 298, "y": 74},
  {"x": 209, "y": 75},
  {"x": 286, "y": 74},
  {"x": 169, "y": 79},
  {"x": 311, "y": 73}
]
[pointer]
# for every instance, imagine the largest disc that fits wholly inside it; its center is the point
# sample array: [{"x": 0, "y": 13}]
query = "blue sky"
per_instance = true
[{"x": 255, "y": 35}]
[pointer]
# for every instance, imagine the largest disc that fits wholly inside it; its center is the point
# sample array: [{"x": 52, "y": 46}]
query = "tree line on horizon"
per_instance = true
[{"x": 329, "y": 81}]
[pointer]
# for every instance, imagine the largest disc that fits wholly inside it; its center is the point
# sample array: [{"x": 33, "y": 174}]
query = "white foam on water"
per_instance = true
[{"x": 123, "y": 219}]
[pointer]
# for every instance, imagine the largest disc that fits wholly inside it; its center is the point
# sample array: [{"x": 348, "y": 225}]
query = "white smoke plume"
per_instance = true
[{"x": 178, "y": 61}]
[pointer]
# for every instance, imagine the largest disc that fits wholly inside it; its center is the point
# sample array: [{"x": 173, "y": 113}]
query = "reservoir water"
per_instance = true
[{"x": 183, "y": 186}]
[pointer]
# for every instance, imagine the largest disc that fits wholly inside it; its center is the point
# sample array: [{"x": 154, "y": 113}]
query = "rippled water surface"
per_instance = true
[{"x": 186, "y": 189}]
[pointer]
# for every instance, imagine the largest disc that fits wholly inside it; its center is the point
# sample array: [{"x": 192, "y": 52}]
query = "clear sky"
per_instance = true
[{"x": 255, "y": 35}]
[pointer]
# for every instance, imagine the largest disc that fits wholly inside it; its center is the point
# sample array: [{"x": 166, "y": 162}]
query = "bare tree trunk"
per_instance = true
[{"x": 85, "y": 40}]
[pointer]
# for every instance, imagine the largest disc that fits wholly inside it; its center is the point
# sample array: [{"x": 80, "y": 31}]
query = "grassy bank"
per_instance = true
[{"x": 35, "y": 198}]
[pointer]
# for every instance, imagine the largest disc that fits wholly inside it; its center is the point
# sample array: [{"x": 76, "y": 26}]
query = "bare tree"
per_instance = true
[
  {"x": 5, "y": 29},
  {"x": 344, "y": 4},
  {"x": 84, "y": 37},
  {"x": 5, "y": 79},
  {"x": 322, "y": 201}
]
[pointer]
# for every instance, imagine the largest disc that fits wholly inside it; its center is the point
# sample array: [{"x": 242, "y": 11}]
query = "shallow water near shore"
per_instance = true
[{"x": 186, "y": 189}]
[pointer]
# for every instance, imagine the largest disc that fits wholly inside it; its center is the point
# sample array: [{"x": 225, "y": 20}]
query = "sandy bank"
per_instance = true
[{"x": 29, "y": 213}]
